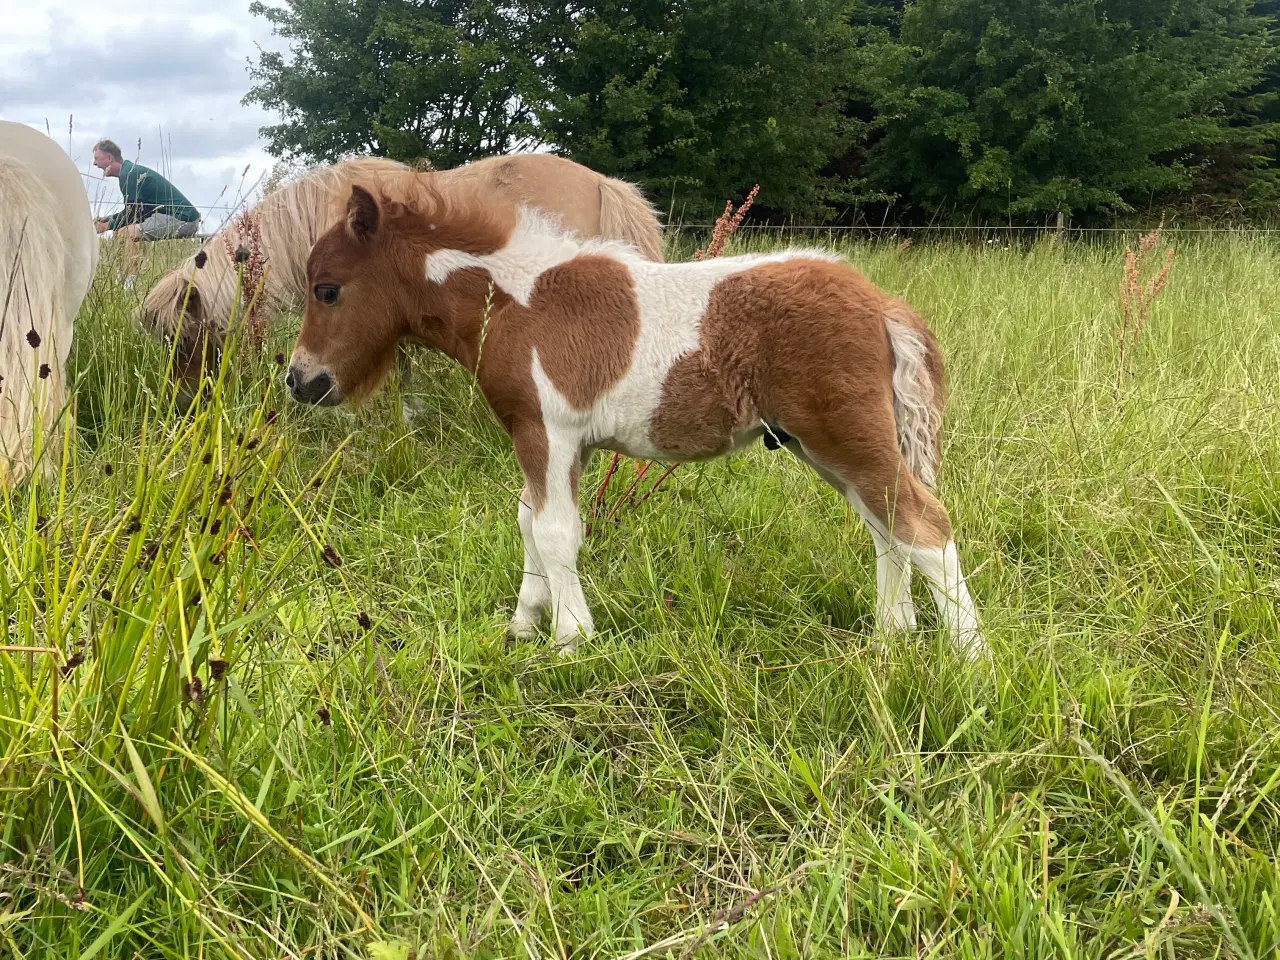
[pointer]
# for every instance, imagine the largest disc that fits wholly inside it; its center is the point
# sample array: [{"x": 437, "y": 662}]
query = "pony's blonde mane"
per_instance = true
[
  {"x": 35, "y": 329},
  {"x": 289, "y": 221}
]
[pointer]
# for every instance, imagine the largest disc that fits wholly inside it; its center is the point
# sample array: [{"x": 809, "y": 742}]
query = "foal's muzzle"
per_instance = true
[{"x": 321, "y": 390}]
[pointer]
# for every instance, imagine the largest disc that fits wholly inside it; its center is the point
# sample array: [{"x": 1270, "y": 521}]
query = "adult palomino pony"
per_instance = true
[
  {"x": 196, "y": 299},
  {"x": 48, "y": 256},
  {"x": 586, "y": 345}
]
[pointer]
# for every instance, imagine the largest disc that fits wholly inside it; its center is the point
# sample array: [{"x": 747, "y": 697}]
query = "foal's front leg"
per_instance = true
[
  {"x": 557, "y": 534},
  {"x": 535, "y": 591}
]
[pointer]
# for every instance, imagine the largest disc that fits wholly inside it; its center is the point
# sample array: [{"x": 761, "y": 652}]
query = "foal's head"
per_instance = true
[
  {"x": 364, "y": 287},
  {"x": 367, "y": 285}
]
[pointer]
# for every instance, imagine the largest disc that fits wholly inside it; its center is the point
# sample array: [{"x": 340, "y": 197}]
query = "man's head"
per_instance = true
[{"x": 107, "y": 158}]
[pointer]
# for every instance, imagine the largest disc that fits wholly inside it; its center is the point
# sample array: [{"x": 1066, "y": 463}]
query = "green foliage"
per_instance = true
[
  {"x": 744, "y": 761},
  {"x": 445, "y": 80},
  {"x": 1242, "y": 173},
  {"x": 699, "y": 101},
  {"x": 969, "y": 109},
  {"x": 1020, "y": 108}
]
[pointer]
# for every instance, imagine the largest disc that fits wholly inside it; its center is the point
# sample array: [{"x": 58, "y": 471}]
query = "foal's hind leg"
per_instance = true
[
  {"x": 895, "y": 610},
  {"x": 859, "y": 446}
]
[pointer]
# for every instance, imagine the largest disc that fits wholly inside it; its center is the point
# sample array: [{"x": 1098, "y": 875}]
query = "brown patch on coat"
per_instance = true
[
  {"x": 529, "y": 438},
  {"x": 802, "y": 343},
  {"x": 583, "y": 320},
  {"x": 696, "y": 416}
]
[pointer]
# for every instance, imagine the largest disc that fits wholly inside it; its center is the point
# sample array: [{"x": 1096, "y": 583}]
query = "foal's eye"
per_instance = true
[{"x": 326, "y": 293}]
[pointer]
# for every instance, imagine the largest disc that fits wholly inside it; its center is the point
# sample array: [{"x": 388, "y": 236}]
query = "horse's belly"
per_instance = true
[{"x": 688, "y": 418}]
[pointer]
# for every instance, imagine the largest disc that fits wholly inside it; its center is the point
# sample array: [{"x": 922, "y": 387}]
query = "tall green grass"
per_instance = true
[{"x": 283, "y": 720}]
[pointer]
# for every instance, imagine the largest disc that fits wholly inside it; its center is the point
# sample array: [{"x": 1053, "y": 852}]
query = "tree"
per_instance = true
[
  {"x": 1242, "y": 174},
  {"x": 445, "y": 80},
  {"x": 700, "y": 99},
  {"x": 1020, "y": 108}
]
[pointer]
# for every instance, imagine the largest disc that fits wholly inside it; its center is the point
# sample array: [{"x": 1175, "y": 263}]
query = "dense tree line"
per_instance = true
[{"x": 952, "y": 110}]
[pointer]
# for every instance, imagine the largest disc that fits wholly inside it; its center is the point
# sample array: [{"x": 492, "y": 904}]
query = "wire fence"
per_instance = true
[
  {"x": 220, "y": 213},
  {"x": 993, "y": 229},
  {"x": 973, "y": 234}
]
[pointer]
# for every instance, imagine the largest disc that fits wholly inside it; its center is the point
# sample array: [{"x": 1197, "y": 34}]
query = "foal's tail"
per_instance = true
[
  {"x": 919, "y": 391},
  {"x": 626, "y": 215}
]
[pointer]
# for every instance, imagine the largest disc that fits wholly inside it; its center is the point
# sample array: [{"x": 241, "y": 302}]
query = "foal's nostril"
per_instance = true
[{"x": 320, "y": 389}]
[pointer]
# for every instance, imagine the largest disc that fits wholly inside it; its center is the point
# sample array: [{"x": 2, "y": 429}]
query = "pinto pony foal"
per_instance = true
[{"x": 580, "y": 345}]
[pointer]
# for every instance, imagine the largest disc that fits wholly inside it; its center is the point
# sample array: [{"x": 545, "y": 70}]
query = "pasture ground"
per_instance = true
[{"x": 284, "y": 721}]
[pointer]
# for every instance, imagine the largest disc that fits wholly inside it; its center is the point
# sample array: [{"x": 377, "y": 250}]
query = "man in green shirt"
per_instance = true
[{"x": 154, "y": 209}]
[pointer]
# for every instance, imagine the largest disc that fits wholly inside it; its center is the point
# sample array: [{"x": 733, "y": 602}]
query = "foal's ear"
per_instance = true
[{"x": 362, "y": 214}]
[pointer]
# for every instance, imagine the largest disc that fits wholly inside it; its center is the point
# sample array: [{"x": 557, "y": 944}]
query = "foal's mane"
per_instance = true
[{"x": 448, "y": 216}]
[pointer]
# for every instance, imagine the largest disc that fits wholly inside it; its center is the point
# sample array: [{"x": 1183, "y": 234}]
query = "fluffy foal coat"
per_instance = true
[
  {"x": 581, "y": 345},
  {"x": 48, "y": 256},
  {"x": 196, "y": 300}
]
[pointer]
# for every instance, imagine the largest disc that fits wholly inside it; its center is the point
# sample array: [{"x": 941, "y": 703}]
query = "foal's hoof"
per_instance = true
[
  {"x": 566, "y": 642},
  {"x": 522, "y": 629},
  {"x": 971, "y": 645}
]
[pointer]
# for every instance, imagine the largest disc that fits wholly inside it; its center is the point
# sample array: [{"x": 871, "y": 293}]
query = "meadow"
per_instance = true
[{"x": 256, "y": 699}]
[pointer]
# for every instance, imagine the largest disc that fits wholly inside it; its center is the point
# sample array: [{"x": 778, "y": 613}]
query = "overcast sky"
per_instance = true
[{"x": 163, "y": 78}]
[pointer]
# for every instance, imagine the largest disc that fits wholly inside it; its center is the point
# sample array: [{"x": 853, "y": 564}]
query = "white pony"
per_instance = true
[{"x": 48, "y": 256}]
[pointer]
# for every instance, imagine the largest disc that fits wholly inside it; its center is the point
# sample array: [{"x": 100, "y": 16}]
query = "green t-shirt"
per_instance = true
[{"x": 146, "y": 192}]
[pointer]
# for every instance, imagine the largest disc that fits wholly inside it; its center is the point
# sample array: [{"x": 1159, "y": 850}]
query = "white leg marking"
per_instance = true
[
  {"x": 557, "y": 533},
  {"x": 535, "y": 591},
  {"x": 895, "y": 611},
  {"x": 941, "y": 567}
]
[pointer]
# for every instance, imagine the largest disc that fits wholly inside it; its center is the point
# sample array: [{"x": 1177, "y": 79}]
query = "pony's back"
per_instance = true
[{"x": 35, "y": 325}]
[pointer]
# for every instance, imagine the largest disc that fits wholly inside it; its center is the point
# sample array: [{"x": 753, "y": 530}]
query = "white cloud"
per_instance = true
[{"x": 163, "y": 78}]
